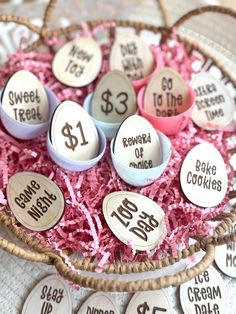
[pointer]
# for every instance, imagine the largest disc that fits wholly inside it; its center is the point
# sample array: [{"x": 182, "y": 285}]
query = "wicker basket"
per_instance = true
[{"x": 87, "y": 278}]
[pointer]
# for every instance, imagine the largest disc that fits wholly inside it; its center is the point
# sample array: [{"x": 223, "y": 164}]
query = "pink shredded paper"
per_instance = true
[{"x": 83, "y": 229}]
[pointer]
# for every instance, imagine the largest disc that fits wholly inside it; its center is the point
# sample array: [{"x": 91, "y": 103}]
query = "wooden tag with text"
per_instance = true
[
  {"x": 114, "y": 98},
  {"x": 132, "y": 56},
  {"x": 36, "y": 201},
  {"x": 205, "y": 294},
  {"x": 50, "y": 296},
  {"x": 225, "y": 256},
  {"x": 78, "y": 62},
  {"x": 153, "y": 302},
  {"x": 166, "y": 94},
  {"x": 135, "y": 218},
  {"x": 137, "y": 144},
  {"x": 99, "y": 302},
  {"x": 214, "y": 106},
  {"x": 24, "y": 98},
  {"x": 203, "y": 176},
  {"x": 73, "y": 133}
]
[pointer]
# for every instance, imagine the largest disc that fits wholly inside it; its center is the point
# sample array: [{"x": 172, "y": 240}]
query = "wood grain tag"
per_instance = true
[
  {"x": 225, "y": 256},
  {"x": 24, "y": 98},
  {"x": 166, "y": 94},
  {"x": 73, "y": 133},
  {"x": 99, "y": 302},
  {"x": 153, "y": 302},
  {"x": 114, "y": 98},
  {"x": 136, "y": 218},
  {"x": 36, "y": 201},
  {"x": 131, "y": 55},
  {"x": 205, "y": 294},
  {"x": 203, "y": 176},
  {"x": 137, "y": 144},
  {"x": 214, "y": 106},
  {"x": 78, "y": 62},
  {"x": 50, "y": 296}
]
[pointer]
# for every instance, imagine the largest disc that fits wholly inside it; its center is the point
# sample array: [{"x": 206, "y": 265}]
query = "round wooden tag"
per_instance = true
[
  {"x": 50, "y": 296},
  {"x": 136, "y": 218},
  {"x": 73, "y": 133},
  {"x": 78, "y": 62},
  {"x": 205, "y": 294},
  {"x": 130, "y": 55},
  {"x": 36, "y": 201},
  {"x": 225, "y": 256},
  {"x": 214, "y": 106},
  {"x": 114, "y": 98},
  {"x": 137, "y": 144},
  {"x": 99, "y": 302},
  {"x": 203, "y": 176},
  {"x": 24, "y": 98},
  {"x": 166, "y": 94},
  {"x": 153, "y": 302}
]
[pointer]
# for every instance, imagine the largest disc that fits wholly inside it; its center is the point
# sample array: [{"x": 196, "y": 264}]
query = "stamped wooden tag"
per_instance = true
[
  {"x": 50, "y": 295},
  {"x": 225, "y": 256},
  {"x": 131, "y": 55},
  {"x": 114, "y": 98},
  {"x": 78, "y": 62},
  {"x": 99, "y": 302},
  {"x": 203, "y": 176},
  {"x": 214, "y": 106},
  {"x": 205, "y": 294},
  {"x": 36, "y": 201},
  {"x": 73, "y": 133},
  {"x": 153, "y": 302},
  {"x": 136, "y": 218},
  {"x": 24, "y": 98},
  {"x": 137, "y": 144},
  {"x": 166, "y": 94}
]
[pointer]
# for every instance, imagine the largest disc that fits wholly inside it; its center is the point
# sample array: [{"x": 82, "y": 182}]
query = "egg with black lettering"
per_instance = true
[
  {"x": 50, "y": 295},
  {"x": 132, "y": 56},
  {"x": 78, "y": 62},
  {"x": 203, "y": 176},
  {"x": 24, "y": 99},
  {"x": 36, "y": 201},
  {"x": 167, "y": 94},
  {"x": 137, "y": 144},
  {"x": 114, "y": 98},
  {"x": 73, "y": 133},
  {"x": 99, "y": 302},
  {"x": 156, "y": 301},
  {"x": 134, "y": 218}
]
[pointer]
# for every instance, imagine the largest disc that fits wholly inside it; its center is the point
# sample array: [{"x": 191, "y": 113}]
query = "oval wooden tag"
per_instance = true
[
  {"x": 153, "y": 302},
  {"x": 36, "y": 201},
  {"x": 137, "y": 144},
  {"x": 225, "y": 256},
  {"x": 73, "y": 133},
  {"x": 131, "y": 55},
  {"x": 204, "y": 294},
  {"x": 78, "y": 62},
  {"x": 203, "y": 176},
  {"x": 99, "y": 302},
  {"x": 136, "y": 218},
  {"x": 214, "y": 106},
  {"x": 114, "y": 98},
  {"x": 24, "y": 98},
  {"x": 50, "y": 295},
  {"x": 166, "y": 94}
]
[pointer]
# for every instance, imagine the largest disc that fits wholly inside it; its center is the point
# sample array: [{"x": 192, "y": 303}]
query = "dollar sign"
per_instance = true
[
  {"x": 73, "y": 141},
  {"x": 143, "y": 308},
  {"x": 108, "y": 107}
]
